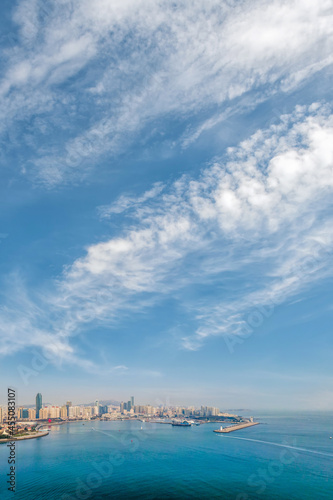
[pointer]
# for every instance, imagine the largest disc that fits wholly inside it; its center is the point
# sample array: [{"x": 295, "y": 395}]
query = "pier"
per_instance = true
[{"x": 237, "y": 427}]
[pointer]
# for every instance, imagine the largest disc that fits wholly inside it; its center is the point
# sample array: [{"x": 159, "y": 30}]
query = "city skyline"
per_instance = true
[
  {"x": 107, "y": 410},
  {"x": 157, "y": 403},
  {"x": 128, "y": 405}
]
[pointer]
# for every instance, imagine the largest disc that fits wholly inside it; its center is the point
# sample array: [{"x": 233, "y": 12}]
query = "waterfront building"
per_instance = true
[
  {"x": 87, "y": 412},
  {"x": 132, "y": 401},
  {"x": 209, "y": 411},
  {"x": 71, "y": 411},
  {"x": 54, "y": 412},
  {"x": 140, "y": 409},
  {"x": 38, "y": 404},
  {"x": 32, "y": 414},
  {"x": 212, "y": 412},
  {"x": 77, "y": 411},
  {"x": 68, "y": 404},
  {"x": 149, "y": 410},
  {"x": 44, "y": 413},
  {"x": 63, "y": 412},
  {"x": 103, "y": 409},
  {"x": 4, "y": 414}
]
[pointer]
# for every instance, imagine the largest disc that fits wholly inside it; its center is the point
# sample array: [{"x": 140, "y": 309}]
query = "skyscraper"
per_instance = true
[
  {"x": 132, "y": 401},
  {"x": 68, "y": 405},
  {"x": 38, "y": 404}
]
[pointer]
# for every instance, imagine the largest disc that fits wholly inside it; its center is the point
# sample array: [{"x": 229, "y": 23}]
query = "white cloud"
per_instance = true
[
  {"x": 264, "y": 214},
  {"x": 267, "y": 204},
  {"x": 126, "y": 202},
  {"x": 151, "y": 59}
]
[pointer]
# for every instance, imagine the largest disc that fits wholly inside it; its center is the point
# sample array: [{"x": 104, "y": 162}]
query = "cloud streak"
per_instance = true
[
  {"x": 134, "y": 62},
  {"x": 258, "y": 213},
  {"x": 125, "y": 203}
]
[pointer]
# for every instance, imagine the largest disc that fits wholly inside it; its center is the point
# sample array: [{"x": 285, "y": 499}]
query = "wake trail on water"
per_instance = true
[
  {"x": 283, "y": 446},
  {"x": 106, "y": 433}
]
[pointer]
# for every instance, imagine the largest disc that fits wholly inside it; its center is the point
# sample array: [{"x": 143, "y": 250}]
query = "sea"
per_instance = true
[{"x": 288, "y": 456}]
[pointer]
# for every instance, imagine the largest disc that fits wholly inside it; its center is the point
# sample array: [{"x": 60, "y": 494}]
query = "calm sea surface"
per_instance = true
[{"x": 288, "y": 457}]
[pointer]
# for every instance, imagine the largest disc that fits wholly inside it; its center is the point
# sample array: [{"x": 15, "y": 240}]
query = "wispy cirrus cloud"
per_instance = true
[
  {"x": 133, "y": 62},
  {"x": 259, "y": 213},
  {"x": 125, "y": 203}
]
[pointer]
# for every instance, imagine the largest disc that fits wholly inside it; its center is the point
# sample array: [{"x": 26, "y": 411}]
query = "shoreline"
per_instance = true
[{"x": 22, "y": 438}]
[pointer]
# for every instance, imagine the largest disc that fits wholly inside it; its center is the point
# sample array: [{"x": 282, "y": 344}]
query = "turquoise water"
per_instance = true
[{"x": 288, "y": 457}]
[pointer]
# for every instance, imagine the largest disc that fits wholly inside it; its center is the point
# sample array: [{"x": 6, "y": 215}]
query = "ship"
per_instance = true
[{"x": 183, "y": 423}]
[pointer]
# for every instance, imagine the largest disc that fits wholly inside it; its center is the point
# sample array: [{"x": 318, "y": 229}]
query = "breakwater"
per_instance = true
[{"x": 237, "y": 427}]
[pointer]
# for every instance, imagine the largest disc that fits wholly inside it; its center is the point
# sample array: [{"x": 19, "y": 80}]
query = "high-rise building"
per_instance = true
[
  {"x": 44, "y": 413},
  {"x": 38, "y": 404},
  {"x": 32, "y": 414},
  {"x": 129, "y": 405},
  {"x": 103, "y": 409},
  {"x": 68, "y": 405},
  {"x": 87, "y": 411},
  {"x": 54, "y": 412},
  {"x": 63, "y": 412},
  {"x": 132, "y": 401}
]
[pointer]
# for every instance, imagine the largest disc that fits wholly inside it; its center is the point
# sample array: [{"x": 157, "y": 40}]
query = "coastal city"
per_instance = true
[{"x": 30, "y": 419}]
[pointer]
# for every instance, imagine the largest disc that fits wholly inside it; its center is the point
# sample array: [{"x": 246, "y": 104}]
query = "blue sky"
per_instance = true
[{"x": 166, "y": 202}]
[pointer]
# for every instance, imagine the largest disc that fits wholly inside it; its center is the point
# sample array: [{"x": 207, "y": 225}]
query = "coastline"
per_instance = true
[{"x": 22, "y": 438}]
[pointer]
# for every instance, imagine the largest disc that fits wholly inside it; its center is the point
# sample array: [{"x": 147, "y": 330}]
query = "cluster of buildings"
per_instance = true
[{"x": 127, "y": 409}]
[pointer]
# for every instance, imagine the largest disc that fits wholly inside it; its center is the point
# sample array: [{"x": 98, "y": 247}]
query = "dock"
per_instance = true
[{"x": 236, "y": 427}]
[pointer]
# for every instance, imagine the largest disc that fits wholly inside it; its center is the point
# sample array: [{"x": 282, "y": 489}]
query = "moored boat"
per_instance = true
[{"x": 183, "y": 423}]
